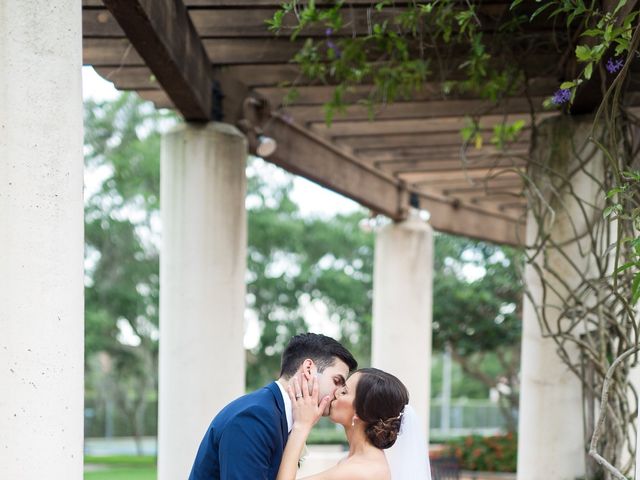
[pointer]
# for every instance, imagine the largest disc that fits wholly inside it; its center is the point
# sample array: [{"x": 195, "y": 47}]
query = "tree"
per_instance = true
[
  {"x": 332, "y": 262},
  {"x": 122, "y": 278},
  {"x": 480, "y": 317},
  {"x": 295, "y": 263}
]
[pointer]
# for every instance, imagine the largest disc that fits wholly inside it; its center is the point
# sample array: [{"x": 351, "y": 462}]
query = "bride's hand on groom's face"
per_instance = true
[{"x": 303, "y": 392}]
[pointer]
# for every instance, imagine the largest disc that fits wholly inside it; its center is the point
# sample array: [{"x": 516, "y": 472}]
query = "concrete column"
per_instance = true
[
  {"x": 402, "y": 307},
  {"x": 41, "y": 237},
  {"x": 551, "y": 434},
  {"x": 626, "y": 456},
  {"x": 202, "y": 286}
]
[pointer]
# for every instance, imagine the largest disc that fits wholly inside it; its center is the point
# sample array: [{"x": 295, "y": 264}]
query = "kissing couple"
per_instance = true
[{"x": 261, "y": 435}]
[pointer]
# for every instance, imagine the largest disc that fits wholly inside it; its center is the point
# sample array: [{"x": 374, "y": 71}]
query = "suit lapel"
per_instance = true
[{"x": 277, "y": 394}]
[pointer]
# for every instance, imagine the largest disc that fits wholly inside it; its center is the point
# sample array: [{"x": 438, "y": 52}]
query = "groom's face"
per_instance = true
[{"x": 332, "y": 378}]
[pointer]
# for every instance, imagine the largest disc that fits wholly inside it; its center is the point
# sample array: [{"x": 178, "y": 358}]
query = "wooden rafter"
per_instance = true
[
  {"x": 239, "y": 21},
  {"x": 411, "y": 146},
  {"x": 163, "y": 35},
  {"x": 313, "y": 157},
  {"x": 307, "y": 154},
  {"x": 406, "y": 110}
]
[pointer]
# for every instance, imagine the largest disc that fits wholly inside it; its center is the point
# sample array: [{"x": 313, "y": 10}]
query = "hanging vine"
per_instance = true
[{"x": 585, "y": 177}]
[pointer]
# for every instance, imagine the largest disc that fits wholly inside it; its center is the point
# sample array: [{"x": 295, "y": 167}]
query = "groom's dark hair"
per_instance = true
[{"x": 321, "y": 349}]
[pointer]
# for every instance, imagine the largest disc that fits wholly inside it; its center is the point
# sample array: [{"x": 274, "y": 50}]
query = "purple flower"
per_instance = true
[
  {"x": 561, "y": 96},
  {"x": 614, "y": 65},
  {"x": 334, "y": 47},
  {"x": 328, "y": 32}
]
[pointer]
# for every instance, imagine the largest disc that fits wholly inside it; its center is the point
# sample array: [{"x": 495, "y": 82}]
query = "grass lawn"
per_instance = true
[
  {"x": 117, "y": 473},
  {"x": 120, "y": 468}
]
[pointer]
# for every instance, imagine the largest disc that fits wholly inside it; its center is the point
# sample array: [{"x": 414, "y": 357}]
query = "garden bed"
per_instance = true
[{"x": 469, "y": 475}]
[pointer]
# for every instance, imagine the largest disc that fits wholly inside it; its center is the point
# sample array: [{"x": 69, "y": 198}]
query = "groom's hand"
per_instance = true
[{"x": 304, "y": 401}]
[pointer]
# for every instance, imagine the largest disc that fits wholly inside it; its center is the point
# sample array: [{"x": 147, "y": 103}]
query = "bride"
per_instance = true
[{"x": 384, "y": 435}]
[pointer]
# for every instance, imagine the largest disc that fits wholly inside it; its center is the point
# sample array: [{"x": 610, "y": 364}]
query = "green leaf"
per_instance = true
[
  {"x": 624, "y": 267},
  {"x": 592, "y": 32},
  {"x": 635, "y": 289},
  {"x": 631, "y": 175},
  {"x": 621, "y": 3},
  {"x": 608, "y": 211},
  {"x": 541, "y": 9},
  {"x": 275, "y": 23},
  {"x": 588, "y": 70},
  {"x": 583, "y": 53}
]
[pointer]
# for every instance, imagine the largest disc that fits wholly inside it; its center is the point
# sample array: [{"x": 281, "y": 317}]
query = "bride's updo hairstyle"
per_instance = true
[{"x": 379, "y": 401}]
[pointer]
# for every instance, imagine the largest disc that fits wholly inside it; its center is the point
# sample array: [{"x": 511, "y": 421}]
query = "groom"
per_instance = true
[{"x": 246, "y": 439}]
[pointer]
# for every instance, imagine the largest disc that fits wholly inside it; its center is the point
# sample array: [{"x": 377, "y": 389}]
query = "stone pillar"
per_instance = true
[
  {"x": 202, "y": 286},
  {"x": 402, "y": 307},
  {"x": 551, "y": 433},
  {"x": 626, "y": 456},
  {"x": 41, "y": 237}
]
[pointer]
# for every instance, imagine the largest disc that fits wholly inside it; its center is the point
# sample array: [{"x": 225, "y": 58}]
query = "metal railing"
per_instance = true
[{"x": 465, "y": 417}]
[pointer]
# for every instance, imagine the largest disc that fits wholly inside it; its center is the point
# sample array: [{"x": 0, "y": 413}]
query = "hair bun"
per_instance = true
[{"x": 383, "y": 433}]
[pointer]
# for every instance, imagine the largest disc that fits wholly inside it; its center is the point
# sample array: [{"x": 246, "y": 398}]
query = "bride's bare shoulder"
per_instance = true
[{"x": 355, "y": 469}]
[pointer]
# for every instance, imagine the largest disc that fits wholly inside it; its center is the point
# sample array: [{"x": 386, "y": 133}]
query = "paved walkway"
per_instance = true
[{"x": 118, "y": 446}]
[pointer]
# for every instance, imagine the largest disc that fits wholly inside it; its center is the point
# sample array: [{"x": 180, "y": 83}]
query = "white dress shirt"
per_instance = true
[{"x": 288, "y": 409}]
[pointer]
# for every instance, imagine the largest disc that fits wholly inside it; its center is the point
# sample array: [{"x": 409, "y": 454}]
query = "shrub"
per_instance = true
[{"x": 490, "y": 454}]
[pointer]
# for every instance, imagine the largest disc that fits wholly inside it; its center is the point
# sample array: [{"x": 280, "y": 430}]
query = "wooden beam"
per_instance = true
[
  {"x": 225, "y": 3},
  {"x": 275, "y": 3},
  {"x": 312, "y": 157},
  {"x": 405, "y": 110},
  {"x": 213, "y": 23},
  {"x": 220, "y": 51},
  {"x": 138, "y": 76},
  {"x": 163, "y": 35},
  {"x": 228, "y": 51},
  {"x": 246, "y": 23},
  {"x": 130, "y": 78},
  {"x": 400, "y": 153},
  {"x": 304, "y": 153},
  {"x": 453, "y": 165},
  {"x": 425, "y": 139},
  {"x": 444, "y": 181},
  {"x": 486, "y": 189},
  {"x": 256, "y": 62},
  {"x": 475, "y": 180},
  {"x": 443, "y": 154},
  {"x": 321, "y": 94},
  {"x": 159, "y": 98},
  {"x": 441, "y": 124},
  {"x": 115, "y": 53},
  {"x": 491, "y": 196},
  {"x": 431, "y": 90},
  {"x": 459, "y": 218}
]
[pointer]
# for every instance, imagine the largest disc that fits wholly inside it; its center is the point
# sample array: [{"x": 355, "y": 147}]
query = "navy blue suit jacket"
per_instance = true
[{"x": 245, "y": 440}]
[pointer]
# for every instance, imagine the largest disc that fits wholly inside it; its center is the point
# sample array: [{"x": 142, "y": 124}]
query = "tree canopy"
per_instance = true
[{"x": 299, "y": 268}]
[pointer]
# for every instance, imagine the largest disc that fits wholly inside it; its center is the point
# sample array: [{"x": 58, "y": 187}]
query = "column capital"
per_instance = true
[
  {"x": 413, "y": 222},
  {"x": 215, "y": 128}
]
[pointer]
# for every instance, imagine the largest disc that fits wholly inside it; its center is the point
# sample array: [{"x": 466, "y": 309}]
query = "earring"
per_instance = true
[{"x": 353, "y": 421}]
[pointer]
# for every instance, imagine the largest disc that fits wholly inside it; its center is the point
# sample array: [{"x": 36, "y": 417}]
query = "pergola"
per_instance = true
[
  {"x": 217, "y": 64},
  {"x": 173, "y": 53}
]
